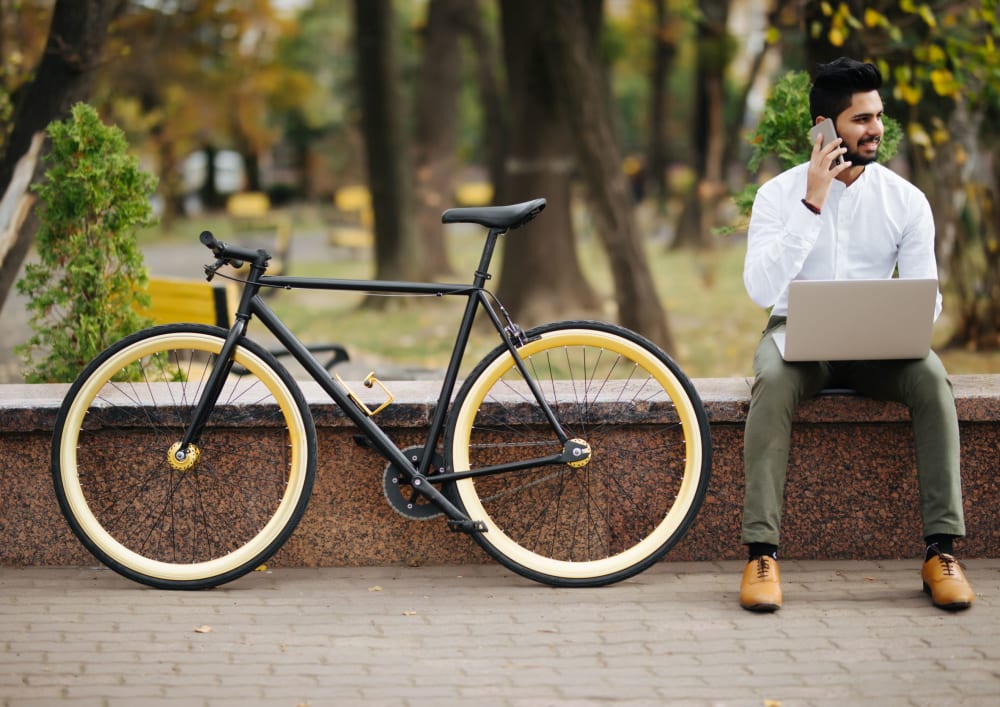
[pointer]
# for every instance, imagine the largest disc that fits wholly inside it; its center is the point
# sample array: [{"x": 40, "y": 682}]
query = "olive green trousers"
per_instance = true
[{"x": 778, "y": 387}]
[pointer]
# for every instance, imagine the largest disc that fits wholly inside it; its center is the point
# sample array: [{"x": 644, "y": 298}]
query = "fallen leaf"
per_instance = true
[
  {"x": 409, "y": 613},
  {"x": 376, "y": 588},
  {"x": 203, "y": 629}
]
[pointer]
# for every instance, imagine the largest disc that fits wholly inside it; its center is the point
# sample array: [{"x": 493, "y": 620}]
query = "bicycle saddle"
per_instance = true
[{"x": 511, "y": 216}]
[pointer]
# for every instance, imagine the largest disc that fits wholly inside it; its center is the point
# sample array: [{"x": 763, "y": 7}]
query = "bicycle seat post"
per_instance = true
[{"x": 483, "y": 271}]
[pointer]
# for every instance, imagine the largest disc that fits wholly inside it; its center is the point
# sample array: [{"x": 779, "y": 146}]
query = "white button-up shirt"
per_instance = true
[{"x": 866, "y": 231}]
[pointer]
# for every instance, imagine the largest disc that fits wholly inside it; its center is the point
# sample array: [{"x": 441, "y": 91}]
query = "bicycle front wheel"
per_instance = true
[
  {"x": 573, "y": 524},
  {"x": 212, "y": 516}
]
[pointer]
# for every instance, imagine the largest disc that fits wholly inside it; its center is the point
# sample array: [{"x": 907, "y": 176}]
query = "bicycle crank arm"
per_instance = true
[{"x": 423, "y": 486}]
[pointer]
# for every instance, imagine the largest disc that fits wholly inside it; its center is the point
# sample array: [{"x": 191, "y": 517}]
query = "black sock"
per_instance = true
[
  {"x": 759, "y": 549},
  {"x": 939, "y": 545}
]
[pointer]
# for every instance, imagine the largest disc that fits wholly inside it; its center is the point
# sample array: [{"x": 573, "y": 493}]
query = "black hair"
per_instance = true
[{"x": 834, "y": 85}]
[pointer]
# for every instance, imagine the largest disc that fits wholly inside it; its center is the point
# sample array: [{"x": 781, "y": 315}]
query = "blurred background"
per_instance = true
[{"x": 337, "y": 131}]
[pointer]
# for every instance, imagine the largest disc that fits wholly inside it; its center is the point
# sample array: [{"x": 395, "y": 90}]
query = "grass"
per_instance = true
[{"x": 714, "y": 324}]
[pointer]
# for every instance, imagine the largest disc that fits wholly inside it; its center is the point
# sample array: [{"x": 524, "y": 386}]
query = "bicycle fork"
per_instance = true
[{"x": 183, "y": 455}]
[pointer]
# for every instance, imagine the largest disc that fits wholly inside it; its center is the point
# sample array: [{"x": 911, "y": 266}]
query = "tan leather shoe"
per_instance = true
[
  {"x": 760, "y": 589},
  {"x": 946, "y": 583}
]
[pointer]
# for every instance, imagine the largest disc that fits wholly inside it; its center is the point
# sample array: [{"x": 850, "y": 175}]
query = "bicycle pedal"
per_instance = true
[{"x": 467, "y": 526}]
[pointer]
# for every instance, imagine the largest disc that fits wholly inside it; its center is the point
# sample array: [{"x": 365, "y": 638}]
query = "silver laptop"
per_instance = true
[{"x": 858, "y": 320}]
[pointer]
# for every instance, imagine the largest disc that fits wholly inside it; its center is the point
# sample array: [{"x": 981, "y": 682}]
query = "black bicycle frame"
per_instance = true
[{"x": 252, "y": 305}]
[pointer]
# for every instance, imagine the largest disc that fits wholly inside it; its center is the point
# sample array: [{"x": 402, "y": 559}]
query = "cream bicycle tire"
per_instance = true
[
  {"x": 182, "y": 525},
  {"x": 647, "y": 476}
]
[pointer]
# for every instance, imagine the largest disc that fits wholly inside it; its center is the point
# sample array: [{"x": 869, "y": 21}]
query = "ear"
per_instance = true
[{"x": 819, "y": 119}]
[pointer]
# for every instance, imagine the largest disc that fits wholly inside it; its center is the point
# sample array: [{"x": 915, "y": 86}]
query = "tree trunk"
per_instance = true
[
  {"x": 397, "y": 253},
  {"x": 541, "y": 278},
  {"x": 63, "y": 77},
  {"x": 664, "y": 50},
  {"x": 437, "y": 125},
  {"x": 698, "y": 217},
  {"x": 496, "y": 128},
  {"x": 580, "y": 88}
]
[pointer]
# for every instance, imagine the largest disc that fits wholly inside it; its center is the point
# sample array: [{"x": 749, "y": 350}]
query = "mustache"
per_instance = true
[{"x": 876, "y": 139}]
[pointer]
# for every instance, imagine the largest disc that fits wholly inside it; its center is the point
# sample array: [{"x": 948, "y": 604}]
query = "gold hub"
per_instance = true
[
  {"x": 577, "y": 453},
  {"x": 183, "y": 461}
]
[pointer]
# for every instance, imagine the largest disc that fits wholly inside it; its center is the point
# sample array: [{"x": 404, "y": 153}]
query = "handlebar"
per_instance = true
[{"x": 231, "y": 254}]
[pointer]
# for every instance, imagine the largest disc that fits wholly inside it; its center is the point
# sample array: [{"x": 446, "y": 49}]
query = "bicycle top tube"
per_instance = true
[{"x": 499, "y": 219}]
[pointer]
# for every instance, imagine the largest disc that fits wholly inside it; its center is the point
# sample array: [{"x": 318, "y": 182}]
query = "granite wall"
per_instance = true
[{"x": 852, "y": 488}]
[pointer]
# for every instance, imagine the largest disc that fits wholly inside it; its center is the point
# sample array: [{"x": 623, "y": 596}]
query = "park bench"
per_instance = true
[
  {"x": 354, "y": 229},
  {"x": 178, "y": 300},
  {"x": 354, "y": 226},
  {"x": 474, "y": 194},
  {"x": 255, "y": 224}
]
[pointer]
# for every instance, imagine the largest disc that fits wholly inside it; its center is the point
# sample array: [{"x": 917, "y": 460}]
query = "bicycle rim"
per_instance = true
[
  {"x": 171, "y": 524},
  {"x": 649, "y": 466}
]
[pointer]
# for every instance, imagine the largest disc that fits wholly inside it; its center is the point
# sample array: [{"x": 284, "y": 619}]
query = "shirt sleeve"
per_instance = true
[
  {"x": 781, "y": 235},
  {"x": 916, "y": 257}
]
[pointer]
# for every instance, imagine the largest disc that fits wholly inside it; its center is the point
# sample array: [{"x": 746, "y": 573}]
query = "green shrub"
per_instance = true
[{"x": 82, "y": 292}]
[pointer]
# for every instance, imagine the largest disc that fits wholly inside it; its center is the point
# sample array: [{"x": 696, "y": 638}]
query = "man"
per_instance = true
[{"x": 855, "y": 219}]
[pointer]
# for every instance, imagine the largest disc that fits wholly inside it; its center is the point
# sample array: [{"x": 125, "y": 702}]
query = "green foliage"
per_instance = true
[
  {"x": 94, "y": 199},
  {"x": 783, "y": 132}
]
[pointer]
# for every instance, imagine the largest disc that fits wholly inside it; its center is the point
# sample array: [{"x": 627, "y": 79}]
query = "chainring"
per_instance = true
[{"x": 402, "y": 497}]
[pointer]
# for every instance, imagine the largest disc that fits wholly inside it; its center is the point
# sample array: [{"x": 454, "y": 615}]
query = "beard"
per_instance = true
[{"x": 857, "y": 159}]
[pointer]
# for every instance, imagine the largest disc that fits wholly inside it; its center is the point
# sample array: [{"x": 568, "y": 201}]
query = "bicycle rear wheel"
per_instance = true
[
  {"x": 197, "y": 522},
  {"x": 650, "y": 454}
]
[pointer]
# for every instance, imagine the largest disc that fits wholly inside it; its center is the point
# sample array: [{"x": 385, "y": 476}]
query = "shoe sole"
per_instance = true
[
  {"x": 953, "y": 606},
  {"x": 761, "y": 608}
]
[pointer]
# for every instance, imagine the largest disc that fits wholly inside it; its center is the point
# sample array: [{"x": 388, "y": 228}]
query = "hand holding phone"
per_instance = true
[{"x": 829, "y": 133}]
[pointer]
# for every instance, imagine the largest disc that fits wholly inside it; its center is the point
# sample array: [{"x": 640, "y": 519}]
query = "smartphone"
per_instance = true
[{"x": 829, "y": 133}]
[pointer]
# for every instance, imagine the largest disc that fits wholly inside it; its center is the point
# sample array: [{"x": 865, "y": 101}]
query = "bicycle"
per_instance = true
[{"x": 153, "y": 481}]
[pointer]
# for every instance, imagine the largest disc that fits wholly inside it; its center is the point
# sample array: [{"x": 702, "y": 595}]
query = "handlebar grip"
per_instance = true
[{"x": 208, "y": 240}]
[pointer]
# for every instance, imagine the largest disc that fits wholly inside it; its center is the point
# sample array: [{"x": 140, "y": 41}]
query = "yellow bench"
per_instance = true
[
  {"x": 251, "y": 216},
  {"x": 474, "y": 194},
  {"x": 177, "y": 300},
  {"x": 355, "y": 202}
]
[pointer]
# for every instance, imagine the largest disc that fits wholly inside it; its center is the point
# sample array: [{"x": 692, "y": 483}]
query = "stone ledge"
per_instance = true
[{"x": 851, "y": 485}]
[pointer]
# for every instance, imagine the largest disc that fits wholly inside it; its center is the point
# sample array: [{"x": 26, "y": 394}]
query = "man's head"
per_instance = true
[{"x": 846, "y": 91}]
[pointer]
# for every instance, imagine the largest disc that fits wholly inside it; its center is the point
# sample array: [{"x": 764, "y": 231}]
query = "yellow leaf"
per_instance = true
[
  {"x": 873, "y": 18},
  {"x": 907, "y": 6},
  {"x": 836, "y": 37},
  {"x": 917, "y": 135},
  {"x": 376, "y": 588},
  {"x": 773, "y": 35},
  {"x": 927, "y": 15},
  {"x": 944, "y": 82},
  {"x": 909, "y": 94},
  {"x": 826, "y": 9},
  {"x": 203, "y": 629}
]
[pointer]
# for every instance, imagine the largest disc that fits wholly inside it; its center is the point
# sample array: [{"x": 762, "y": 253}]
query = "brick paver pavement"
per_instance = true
[{"x": 850, "y": 633}]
